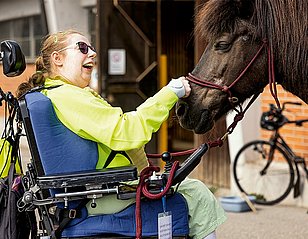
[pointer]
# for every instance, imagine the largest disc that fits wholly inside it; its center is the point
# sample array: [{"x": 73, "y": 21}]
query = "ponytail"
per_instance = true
[{"x": 37, "y": 79}]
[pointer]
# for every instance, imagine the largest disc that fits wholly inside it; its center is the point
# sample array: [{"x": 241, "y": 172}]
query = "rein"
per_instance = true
[
  {"x": 227, "y": 89},
  {"x": 142, "y": 189}
]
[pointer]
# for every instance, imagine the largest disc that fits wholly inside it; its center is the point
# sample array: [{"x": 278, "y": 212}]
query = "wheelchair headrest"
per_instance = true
[
  {"x": 60, "y": 149},
  {"x": 12, "y": 58}
]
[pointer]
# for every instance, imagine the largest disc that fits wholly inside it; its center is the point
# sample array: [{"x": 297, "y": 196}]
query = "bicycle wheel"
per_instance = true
[{"x": 264, "y": 171}]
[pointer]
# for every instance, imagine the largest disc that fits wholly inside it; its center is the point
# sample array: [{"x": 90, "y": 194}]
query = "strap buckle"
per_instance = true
[{"x": 72, "y": 213}]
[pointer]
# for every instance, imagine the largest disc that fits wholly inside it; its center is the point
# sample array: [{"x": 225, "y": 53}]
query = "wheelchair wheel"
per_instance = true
[{"x": 263, "y": 170}]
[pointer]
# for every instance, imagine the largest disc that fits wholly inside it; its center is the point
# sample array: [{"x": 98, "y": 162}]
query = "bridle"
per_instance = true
[
  {"x": 232, "y": 99},
  {"x": 226, "y": 89}
]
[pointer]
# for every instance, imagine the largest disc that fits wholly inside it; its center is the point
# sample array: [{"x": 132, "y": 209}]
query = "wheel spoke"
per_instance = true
[{"x": 255, "y": 174}]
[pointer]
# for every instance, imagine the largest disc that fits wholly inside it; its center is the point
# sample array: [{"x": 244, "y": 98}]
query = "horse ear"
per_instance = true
[{"x": 216, "y": 17}]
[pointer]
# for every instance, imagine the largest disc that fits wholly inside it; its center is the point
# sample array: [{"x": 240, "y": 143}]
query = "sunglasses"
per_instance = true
[{"x": 82, "y": 46}]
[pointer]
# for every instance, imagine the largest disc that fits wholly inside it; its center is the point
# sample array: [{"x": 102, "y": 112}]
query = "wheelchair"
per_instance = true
[{"x": 61, "y": 177}]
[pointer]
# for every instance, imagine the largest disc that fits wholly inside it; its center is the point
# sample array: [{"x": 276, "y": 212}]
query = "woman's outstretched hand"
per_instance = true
[
  {"x": 180, "y": 87},
  {"x": 186, "y": 86}
]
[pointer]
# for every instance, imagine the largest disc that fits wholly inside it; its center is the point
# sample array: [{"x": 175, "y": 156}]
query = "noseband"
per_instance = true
[{"x": 227, "y": 88}]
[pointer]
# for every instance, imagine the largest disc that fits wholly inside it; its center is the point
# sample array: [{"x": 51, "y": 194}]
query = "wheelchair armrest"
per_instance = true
[
  {"x": 189, "y": 164},
  {"x": 88, "y": 178}
]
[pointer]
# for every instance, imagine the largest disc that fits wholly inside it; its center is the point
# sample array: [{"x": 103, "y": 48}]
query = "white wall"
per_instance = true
[
  {"x": 69, "y": 13},
  {"x": 246, "y": 130},
  {"x": 19, "y": 8}
]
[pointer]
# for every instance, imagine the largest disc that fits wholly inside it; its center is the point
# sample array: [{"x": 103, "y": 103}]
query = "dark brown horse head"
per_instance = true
[{"x": 235, "y": 60}]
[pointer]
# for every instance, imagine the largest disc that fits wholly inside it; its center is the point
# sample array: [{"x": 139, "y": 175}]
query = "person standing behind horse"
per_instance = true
[{"x": 66, "y": 60}]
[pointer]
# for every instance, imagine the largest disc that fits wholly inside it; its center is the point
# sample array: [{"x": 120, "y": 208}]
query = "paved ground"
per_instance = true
[{"x": 269, "y": 222}]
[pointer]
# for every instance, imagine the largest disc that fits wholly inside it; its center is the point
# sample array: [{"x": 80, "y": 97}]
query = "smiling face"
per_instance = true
[{"x": 70, "y": 63}]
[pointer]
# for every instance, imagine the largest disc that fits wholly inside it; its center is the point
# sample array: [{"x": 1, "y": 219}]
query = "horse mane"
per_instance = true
[
  {"x": 282, "y": 22},
  {"x": 216, "y": 17}
]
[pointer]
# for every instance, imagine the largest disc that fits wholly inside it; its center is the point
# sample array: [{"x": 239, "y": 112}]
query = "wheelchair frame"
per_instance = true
[{"x": 96, "y": 182}]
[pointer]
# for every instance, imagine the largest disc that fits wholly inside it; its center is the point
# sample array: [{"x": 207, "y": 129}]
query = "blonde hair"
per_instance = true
[{"x": 50, "y": 43}]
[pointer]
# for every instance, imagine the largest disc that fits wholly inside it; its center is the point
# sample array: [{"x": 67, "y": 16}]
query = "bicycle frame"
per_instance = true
[{"x": 277, "y": 139}]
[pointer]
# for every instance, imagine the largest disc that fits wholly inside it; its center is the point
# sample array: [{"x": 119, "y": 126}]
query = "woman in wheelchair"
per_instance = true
[{"x": 64, "y": 68}]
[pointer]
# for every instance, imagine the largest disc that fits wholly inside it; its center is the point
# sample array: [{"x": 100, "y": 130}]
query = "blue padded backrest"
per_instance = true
[{"x": 60, "y": 150}]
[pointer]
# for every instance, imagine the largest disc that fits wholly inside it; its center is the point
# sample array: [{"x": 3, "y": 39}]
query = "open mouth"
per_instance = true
[{"x": 88, "y": 66}]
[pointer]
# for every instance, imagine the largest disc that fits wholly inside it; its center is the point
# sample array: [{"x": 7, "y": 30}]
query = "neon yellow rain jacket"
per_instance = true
[
  {"x": 88, "y": 115},
  {"x": 91, "y": 117}
]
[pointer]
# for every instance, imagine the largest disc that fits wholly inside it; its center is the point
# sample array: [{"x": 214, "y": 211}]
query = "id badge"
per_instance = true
[{"x": 165, "y": 225}]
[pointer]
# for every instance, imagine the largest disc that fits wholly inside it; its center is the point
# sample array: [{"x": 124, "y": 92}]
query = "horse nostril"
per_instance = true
[{"x": 180, "y": 109}]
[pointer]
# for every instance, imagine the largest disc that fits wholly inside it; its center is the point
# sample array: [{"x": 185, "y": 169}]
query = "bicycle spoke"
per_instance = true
[{"x": 260, "y": 171}]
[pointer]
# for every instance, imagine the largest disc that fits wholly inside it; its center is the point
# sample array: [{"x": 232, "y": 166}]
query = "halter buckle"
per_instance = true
[
  {"x": 233, "y": 99},
  {"x": 225, "y": 136}
]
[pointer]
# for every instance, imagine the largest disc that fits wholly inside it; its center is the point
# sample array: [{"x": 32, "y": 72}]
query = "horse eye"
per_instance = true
[{"x": 222, "y": 45}]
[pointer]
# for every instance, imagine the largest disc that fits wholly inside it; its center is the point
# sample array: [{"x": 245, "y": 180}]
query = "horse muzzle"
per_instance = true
[
  {"x": 182, "y": 113},
  {"x": 199, "y": 121}
]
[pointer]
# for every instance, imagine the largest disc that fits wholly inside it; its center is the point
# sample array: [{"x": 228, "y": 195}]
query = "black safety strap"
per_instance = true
[
  {"x": 111, "y": 156},
  {"x": 38, "y": 88},
  {"x": 64, "y": 215}
]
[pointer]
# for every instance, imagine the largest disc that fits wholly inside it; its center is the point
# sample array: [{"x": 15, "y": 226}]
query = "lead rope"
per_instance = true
[
  {"x": 142, "y": 189},
  {"x": 218, "y": 142},
  {"x": 271, "y": 76},
  {"x": 147, "y": 172}
]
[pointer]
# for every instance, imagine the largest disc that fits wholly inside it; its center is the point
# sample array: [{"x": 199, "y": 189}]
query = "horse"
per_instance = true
[{"x": 250, "y": 43}]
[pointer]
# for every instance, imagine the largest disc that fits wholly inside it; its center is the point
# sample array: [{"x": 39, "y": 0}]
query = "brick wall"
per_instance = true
[{"x": 296, "y": 137}]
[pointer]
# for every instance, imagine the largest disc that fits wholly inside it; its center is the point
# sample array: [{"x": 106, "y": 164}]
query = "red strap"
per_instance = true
[
  {"x": 143, "y": 190},
  {"x": 145, "y": 173}
]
